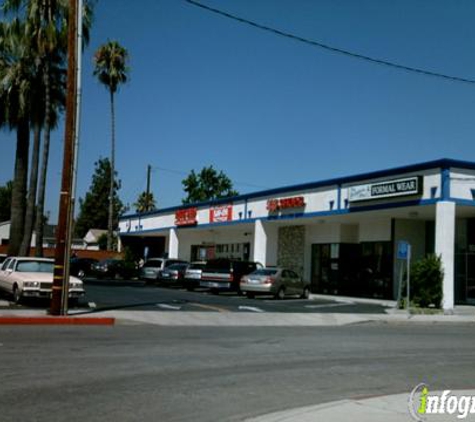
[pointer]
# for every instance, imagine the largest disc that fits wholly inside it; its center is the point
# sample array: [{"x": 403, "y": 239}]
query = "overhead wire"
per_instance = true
[{"x": 331, "y": 48}]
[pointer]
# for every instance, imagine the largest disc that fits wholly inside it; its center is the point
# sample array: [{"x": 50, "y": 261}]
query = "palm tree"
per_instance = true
[
  {"x": 16, "y": 86},
  {"x": 145, "y": 202},
  {"x": 110, "y": 61},
  {"x": 45, "y": 33}
]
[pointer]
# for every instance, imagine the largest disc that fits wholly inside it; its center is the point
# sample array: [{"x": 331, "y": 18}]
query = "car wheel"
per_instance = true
[
  {"x": 215, "y": 291},
  {"x": 306, "y": 293},
  {"x": 190, "y": 288},
  {"x": 280, "y": 295},
  {"x": 17, "y": 296}
]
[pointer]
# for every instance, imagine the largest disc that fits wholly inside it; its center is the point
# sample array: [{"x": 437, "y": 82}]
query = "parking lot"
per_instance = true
[{"x": 137, "y": 295}]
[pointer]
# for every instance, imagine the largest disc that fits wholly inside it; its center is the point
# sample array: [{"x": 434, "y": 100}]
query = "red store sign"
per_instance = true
[
  {"x": 274, "y": 205},
  {"x": 186, "y": 217},
  {"x": 221, "y": 214}
]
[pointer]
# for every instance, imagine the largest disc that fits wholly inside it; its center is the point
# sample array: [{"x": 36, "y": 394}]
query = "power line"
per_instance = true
[
  {"x": 235, "y": 182},
  {"x": 331, "y": 48}
]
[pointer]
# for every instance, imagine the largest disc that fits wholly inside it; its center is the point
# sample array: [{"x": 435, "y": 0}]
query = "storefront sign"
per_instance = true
[
  {"x": 274, "y": 205},
  {"x": 221, "y": 214},
  {"x": 389, "y": 189},
  {"x": 186, "y": 217}
]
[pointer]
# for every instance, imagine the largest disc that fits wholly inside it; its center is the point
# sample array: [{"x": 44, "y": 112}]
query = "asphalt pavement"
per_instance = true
[{"x": 147, "y": 372}]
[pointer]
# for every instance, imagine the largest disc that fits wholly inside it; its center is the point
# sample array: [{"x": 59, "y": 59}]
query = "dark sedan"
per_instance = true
[
  {"x": 82, "y": 267},
  {"x": 113, "y": 268},
  {"x": 174, "y": 274}
]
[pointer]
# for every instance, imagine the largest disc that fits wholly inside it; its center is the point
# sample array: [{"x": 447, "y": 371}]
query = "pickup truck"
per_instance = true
[{"x": 225, "y": 274}]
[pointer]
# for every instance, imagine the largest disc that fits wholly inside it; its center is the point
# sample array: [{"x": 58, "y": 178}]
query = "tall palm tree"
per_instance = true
[
  {"x": 16, "y": 85},
  {"x": 111, "y": 68},
  {"x": 45, "y": 32}
]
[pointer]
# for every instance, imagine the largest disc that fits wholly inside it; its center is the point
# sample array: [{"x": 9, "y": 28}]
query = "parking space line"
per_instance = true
[{"x": 250, "y": 308}]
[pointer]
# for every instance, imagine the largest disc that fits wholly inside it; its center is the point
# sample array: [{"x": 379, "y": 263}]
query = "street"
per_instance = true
[{"x": 152, "y": 373}]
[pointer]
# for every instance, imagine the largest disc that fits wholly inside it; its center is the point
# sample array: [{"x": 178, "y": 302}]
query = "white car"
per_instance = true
[{"x": 24, "y": 277}]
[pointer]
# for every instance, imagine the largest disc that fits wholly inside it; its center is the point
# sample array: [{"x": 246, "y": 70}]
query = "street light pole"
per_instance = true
[{"x": 62, "y": 233}]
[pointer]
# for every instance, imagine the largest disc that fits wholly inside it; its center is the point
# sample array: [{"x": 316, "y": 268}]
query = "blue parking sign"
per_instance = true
[{"x": 402, "y": 250}]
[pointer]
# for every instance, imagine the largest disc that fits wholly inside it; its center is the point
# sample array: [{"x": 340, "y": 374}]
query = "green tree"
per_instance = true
[
  {"x": 145, "y": 202},
  {"x": 42, "y": 28},
  {"x": 111, "y": 69},
  {"x": 5, "y": 201},
  {"x": 93, "y": 209},
  {"x": 207, "y": 185},
  {"x": 17, "y": 72}
]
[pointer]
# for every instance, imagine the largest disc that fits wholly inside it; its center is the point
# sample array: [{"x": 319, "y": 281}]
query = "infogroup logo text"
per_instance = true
[{"x": 422, "y": 404}]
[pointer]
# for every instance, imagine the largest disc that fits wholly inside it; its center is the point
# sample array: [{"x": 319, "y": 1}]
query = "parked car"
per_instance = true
[
  {"x": 150, "y": 270},
  {"x": 193, "y": 275},
  {"x": 276, "y": 281},
  {"x": 225, "y": 274},
  {"x": 173, "y": 274},
  {"x": 33, "y": 278},
  {"x": 2, "y": 257},
  {"x": 82, "y": 267},
  {"x": 112, "y": 268}
]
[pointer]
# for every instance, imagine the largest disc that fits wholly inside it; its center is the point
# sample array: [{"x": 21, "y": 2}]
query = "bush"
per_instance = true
[{"x": 426, "y": 282}]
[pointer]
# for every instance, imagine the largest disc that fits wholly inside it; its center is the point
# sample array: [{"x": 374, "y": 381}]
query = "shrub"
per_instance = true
[{"x": 426, "y": 282}]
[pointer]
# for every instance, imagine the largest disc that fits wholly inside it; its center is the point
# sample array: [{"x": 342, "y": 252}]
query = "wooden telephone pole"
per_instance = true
[{"x": 61, "y": 262}]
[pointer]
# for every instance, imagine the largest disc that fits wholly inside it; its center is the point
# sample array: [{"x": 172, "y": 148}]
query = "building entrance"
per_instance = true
[{"x": 465, "y": 278}]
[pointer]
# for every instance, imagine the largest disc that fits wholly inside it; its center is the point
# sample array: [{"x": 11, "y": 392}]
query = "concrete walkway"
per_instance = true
[
  {"x": 247, "y": 319},
  {"x": 391, "y": 408}
]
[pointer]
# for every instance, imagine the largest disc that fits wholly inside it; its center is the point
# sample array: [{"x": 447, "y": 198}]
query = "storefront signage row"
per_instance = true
[
  {"x": 186, "y": 217},
  {"x": 220, "y": 214},
  {"x": 274, "y": 205},
  {"x": 389, "y": 189}
]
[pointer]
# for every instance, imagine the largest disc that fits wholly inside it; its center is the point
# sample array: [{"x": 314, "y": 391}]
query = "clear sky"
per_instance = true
[{"x": 270, "y": 111}]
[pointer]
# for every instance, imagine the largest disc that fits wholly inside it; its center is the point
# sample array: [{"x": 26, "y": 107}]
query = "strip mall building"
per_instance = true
[{"x": 341, "y": 234}]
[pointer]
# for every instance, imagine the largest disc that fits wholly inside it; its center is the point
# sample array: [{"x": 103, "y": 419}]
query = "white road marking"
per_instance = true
[
  {"x": 250, "y": 308},
  {"x": 165, "y": 306}
]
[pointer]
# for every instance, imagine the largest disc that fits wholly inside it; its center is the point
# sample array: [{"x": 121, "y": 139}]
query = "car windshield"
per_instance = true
[
  {"x": 265, "y": 271},
  {"x": 176, "y": 267},
  {"x": 154, "y": 263},
  {"x": 196, "y": 266},
  {"x": 35, "y": 267}
]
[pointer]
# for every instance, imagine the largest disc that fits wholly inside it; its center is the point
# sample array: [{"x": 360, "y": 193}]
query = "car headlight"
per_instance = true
[{"x": 31, "y": 284}]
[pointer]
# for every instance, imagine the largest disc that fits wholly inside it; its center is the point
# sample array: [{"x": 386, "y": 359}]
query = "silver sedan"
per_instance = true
[{"x": 278, "y": 282}]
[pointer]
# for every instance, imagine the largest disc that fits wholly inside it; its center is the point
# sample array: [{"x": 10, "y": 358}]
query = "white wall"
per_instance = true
[
  {"x": 375, "y": 230},
  {"x": 461, "y": 184}
]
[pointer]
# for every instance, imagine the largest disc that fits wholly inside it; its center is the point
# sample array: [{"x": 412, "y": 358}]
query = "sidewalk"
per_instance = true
[
  {"x": 226, "y": 319},
  {"x": 391, "y": 408}
]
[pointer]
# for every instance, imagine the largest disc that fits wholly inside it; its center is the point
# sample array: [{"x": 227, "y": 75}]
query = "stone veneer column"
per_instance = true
[{"x": 445, "y": 248}]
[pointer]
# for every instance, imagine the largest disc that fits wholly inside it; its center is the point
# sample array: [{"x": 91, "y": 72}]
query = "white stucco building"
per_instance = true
[{"x": 340, "y": 234}]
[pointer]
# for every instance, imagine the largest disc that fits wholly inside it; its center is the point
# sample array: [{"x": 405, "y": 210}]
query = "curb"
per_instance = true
[{"x": 55, "y": 320}]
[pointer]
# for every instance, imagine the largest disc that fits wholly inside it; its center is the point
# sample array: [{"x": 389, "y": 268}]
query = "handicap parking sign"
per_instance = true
[{"x": 403, "y": 250}]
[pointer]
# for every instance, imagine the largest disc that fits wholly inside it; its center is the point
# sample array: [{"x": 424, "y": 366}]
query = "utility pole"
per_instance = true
[
  {"x": 62, "y": 255},
  {"x": 149, "y": 169}
]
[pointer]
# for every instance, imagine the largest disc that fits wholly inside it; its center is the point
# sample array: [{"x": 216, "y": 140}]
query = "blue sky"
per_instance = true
[{"x": 267, "y": 110}]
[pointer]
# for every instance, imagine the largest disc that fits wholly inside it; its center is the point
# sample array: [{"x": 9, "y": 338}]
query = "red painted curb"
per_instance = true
[{"x": 56, "y": 320}]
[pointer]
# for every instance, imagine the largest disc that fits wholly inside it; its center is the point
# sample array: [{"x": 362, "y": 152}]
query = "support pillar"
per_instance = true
[
  {"x": 445, "y": 248},
  {"x": 173, "y": 244},
  {"x": 265, "y": 244}
]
